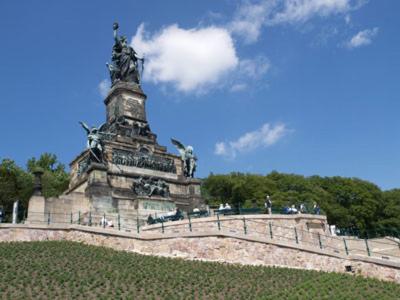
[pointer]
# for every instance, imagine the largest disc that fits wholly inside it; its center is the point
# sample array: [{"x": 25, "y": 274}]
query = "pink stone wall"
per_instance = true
[{"x": 240, "y": 249}]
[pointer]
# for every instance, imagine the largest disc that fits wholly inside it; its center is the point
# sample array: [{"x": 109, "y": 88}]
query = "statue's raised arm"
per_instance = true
[{"x": 115, "y": 31}]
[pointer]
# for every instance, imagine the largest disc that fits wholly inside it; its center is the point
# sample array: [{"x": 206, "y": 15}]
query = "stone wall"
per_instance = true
[
  {"x": 282, "y": 227},
  {"x": 210, "y": 246},
  {"x": 302, "y": 229},
  {"x": 60, "y": 208}
]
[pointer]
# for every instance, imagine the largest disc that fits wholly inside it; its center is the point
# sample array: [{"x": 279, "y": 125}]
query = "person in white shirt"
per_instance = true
[{"x": 268, "y": 204}]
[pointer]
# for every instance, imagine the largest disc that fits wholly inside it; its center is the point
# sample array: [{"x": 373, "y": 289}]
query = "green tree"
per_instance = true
[
  {"x": 55, "y": 179},
  {"x": 390, "y": 210},
  {"x": 17, "y": 183},
  {"x": 296, "y": 189},
  {"x": 360, "y": 200},
  {"x": 347, "y": 202},
  {"x": 217, "y": 189},
  {"x": 237, "y": 189}
]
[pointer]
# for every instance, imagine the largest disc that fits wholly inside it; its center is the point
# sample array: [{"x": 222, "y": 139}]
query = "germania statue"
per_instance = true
[{"x": 124, "y": 64}]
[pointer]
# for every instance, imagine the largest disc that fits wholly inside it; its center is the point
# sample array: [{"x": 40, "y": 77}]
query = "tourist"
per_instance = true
[
  {"x": 103, "y": 221},
  {"x": 221, "y": 207},
  {"x": 302, "y": 208},
  {"x": 227, "y": 206},
  {"x": 293, "y": 210},
  {"x": 1, "y": 215},
  {"x": 150, "y": 220},
  {"x": 268, "y": 205},
  {"x": 196, "y": 210},
  {"x": 317, "y": 209},
  {"x": 286, "y": 209}
]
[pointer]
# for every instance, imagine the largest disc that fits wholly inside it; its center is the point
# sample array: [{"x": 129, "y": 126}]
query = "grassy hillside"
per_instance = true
[{"x": 67, "y": 270}]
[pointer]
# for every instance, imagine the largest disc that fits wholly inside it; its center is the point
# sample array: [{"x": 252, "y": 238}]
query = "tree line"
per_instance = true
[
  {"x": 16, "y": 183},
  {"x": 347, "y": 202}
]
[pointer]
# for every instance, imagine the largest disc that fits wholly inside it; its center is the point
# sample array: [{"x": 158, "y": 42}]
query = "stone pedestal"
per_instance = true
[
  {"x": 98, "y": 189},
  {"x": 126, "y": 100},
  {"x": 191, "y": 197},
  {"x": 37, "y": 210}
]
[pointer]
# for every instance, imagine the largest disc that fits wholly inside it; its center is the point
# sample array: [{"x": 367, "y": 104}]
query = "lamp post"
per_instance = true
[{"x": 37, "y": 188}]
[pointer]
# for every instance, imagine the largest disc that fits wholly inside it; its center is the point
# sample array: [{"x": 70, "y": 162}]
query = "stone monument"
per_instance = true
[{"x": 123, "y": 169}]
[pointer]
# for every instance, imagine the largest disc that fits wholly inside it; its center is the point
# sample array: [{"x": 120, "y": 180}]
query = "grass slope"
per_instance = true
[{"x": 67, "y": 270}]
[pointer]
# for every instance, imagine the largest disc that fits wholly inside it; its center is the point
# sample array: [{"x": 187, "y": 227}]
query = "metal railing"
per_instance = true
[
  {"x": 368, "y": 233},
  {"x": 385, "y": 247},
  {"x": 257, "y": 210}
]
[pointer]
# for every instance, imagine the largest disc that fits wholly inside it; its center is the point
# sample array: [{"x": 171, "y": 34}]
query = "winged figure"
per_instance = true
[
  {"x": 95, "y": 137},
  {"x": 188, "y": 157}
]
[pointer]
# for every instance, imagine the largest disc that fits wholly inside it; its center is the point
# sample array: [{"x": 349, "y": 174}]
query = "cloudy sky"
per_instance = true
[{"x": 297, "y": 86}]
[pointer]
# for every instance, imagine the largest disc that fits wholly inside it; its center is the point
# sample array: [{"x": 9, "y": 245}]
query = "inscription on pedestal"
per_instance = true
[
  {"x": 131, "y": 106},
  {"x": 135, "y": 107},
  {"x": 158, "y": 205},
  {"x": 143, "y": 160}
]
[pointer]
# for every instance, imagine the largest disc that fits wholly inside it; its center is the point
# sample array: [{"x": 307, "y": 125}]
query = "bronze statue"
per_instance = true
[
  {"x": 125, "y": 62},
  {"x": 95, "y": 137},
  {"x": 188, "y": 157},
  {"x": 150, "y": 187}
]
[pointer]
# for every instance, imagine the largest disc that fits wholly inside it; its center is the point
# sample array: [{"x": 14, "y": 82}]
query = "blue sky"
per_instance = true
[{"x": 298, "y": 86}]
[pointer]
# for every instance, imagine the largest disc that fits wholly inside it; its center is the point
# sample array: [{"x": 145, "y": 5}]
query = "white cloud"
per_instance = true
[
  {"x": 221, "y": 149},
  {"x": 347, "y": 19},
  {"x": 104, "y": 87},
  {"x": 238, "y": 87},
  {"x": 249, "y": 71},
  {"x": 362, "y": 38},
  {"x": 249, "y": 20},
  {"x": 251, "y": 17},
  {"x": 254, "y": 68},
  {"x": 205, "y": 57},
  {"x": 265, "y": 136},
  {"x": 302, "y": 10},
  {"x": 189, "y": 59}
]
